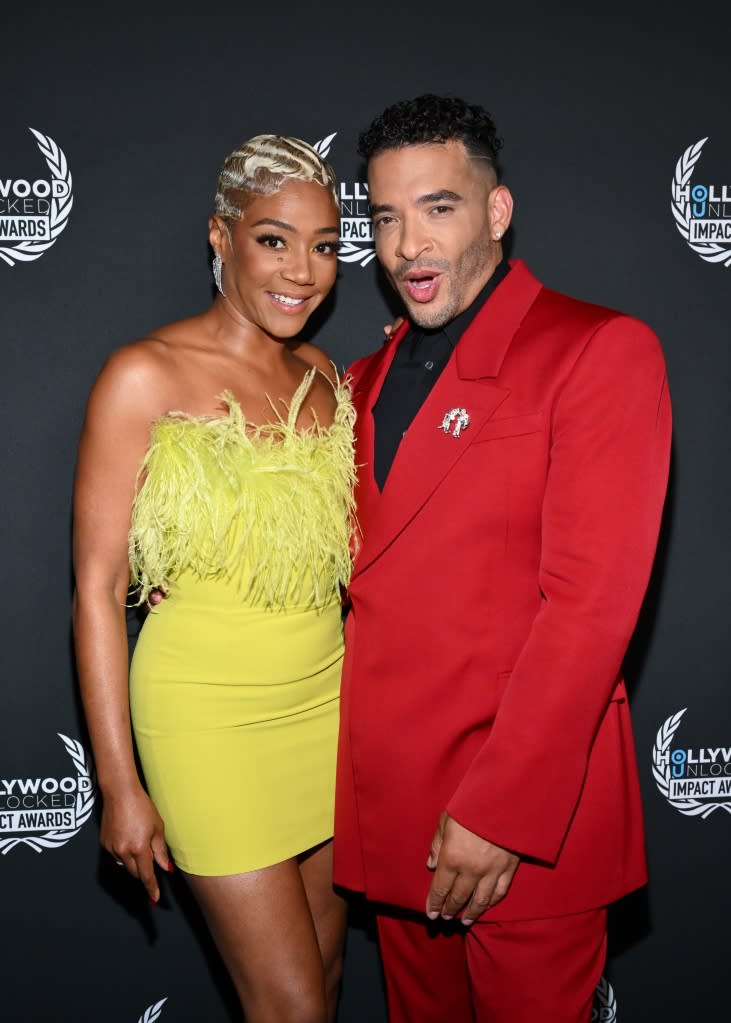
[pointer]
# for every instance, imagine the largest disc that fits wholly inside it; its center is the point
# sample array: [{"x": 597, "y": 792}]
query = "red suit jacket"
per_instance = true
[{"x": 498, "y": 582}]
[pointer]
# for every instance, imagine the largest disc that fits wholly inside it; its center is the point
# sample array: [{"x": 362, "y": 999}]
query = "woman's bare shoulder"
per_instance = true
[
  {"x": 314, "y": 356},
  {"x": 137, "y": 378},
  {"x": 138, "y": 364},
  {"x": 150, "y": 363}
]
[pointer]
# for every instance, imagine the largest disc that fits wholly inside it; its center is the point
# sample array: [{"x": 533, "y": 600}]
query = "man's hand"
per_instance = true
[{"x": 469, "y": 872}]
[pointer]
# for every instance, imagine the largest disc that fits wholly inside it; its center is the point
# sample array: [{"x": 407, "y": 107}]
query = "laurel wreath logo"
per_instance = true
[
  {"x": 605, "y": 1004},
  {"x": 30, "y": 249},
  {"x": 349, "y": 252},
  {"x": 152, "y": 1012},
  {"x": 322, "y": 148},
  {"x": 662, "y": 774},
  {"x": 710, "y": 251},
  {"x": 84, "y": 804}
]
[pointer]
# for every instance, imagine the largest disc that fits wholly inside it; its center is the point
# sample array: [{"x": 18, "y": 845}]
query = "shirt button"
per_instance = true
[{"x": 429, "y": 365}]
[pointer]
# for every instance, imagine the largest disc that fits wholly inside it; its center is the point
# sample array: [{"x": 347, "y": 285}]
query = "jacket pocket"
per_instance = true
[{"x": 514, "y": 426}]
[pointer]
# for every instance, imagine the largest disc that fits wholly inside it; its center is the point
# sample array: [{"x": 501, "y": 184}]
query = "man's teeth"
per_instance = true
[
  {"x": 286, "y": 300},
  {"x": 422, "y": 282}
]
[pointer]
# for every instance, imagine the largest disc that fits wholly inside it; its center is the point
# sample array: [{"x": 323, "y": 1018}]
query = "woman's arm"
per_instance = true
[{"x": 125, "y": 399}]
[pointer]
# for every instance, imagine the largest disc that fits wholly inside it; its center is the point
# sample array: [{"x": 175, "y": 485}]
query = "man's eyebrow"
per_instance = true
[
  {"x": 423, "y": 200},
  {"x": 382, "y": 207},
  {"x": 288, "y": 227},
  {"x": 443, "y": 193}
]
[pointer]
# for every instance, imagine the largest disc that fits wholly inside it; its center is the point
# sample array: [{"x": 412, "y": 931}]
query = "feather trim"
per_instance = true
[{"x": 269, "y": 507}]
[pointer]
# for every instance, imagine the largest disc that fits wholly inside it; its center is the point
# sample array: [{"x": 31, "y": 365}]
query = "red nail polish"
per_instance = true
[
  {"x": 171, "y": 866},
  {"x": 151, "y": 901}
]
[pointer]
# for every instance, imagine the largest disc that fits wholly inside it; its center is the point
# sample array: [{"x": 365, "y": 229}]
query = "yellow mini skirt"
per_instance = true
[{"x": 235, "y": 715}]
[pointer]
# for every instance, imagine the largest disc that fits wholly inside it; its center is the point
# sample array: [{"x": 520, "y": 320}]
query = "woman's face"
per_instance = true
[{"x": 281, "y": 260}]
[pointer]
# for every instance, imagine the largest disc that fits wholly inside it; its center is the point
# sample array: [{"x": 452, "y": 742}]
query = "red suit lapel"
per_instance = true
[{"x": 427, "y": 453}]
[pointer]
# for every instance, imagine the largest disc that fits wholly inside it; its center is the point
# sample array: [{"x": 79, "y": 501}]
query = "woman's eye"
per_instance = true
[
  {"x": 271, "y": 241},
  {"x": 328, "y": 248}
]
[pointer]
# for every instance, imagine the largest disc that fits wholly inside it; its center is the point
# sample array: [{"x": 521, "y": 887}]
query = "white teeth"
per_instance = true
[{"x": 286, "y": 300}]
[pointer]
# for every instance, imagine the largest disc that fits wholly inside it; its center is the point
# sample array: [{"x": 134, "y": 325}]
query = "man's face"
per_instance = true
[{"x": 436, "y": 212}]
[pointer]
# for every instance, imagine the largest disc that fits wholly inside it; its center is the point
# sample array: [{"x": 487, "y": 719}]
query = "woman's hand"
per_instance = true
[
  {"x": 391, "y": 328},
  {"x": 133, "y": 833}
]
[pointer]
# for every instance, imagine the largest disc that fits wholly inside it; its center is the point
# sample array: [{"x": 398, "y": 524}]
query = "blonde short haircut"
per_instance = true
[{"x": 262, "y": 165}]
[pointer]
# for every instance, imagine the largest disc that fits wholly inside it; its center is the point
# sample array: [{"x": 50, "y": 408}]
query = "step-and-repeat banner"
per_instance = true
[{"x": 618, "y": 153}]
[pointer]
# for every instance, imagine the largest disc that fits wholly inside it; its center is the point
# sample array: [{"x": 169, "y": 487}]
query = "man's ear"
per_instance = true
[{"x": 499, "y": 210}]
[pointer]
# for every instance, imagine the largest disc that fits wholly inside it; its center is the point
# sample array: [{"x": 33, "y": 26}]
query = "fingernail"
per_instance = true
[
  {"x": 466, "y": 921},
  {"x": 432, "y": 914},
  {"x": 152, "y": 901},
  {"x": 171, "y": 866},
  {"x": 447, "y": 916}
]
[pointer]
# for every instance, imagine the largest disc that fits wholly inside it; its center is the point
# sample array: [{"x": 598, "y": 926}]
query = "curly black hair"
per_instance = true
[{"x": 430, "y": 118}]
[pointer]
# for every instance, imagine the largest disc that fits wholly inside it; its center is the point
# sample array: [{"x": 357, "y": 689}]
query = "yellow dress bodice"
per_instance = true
[{"x": 266, "y": 508}]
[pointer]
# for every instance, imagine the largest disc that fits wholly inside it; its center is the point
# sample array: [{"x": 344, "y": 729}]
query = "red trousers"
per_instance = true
[{"x": 515, "y": 972}]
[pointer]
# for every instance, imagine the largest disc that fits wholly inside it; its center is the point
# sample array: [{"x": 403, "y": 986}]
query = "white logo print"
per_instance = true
[
  {"x": 56, "y": 807},
  {"x": 34, "y": 213},
  {"x": 356, "y": 227},
  {"x": 692, "y": 780},
  {"x": 152, "y": 1012},
  {"x": 605, "y": 1004},
  {"x": 702, "y": 213}
]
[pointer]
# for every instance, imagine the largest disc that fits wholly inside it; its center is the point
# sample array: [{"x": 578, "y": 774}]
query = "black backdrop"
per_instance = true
[{"x": 597, "y": 107}]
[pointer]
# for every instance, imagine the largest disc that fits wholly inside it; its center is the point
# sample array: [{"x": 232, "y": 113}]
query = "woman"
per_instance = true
[{"x": 216, "y": 462}]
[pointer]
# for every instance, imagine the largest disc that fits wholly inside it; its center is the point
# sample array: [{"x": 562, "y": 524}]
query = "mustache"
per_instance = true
[{"x": 420, "y": 264}]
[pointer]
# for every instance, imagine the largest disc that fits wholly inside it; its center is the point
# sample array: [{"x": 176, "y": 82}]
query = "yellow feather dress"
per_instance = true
[{"x": 234, "y": 683}]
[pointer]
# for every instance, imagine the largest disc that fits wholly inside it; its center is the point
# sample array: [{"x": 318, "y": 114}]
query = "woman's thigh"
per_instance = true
[
  {"x": 264, "y": 929},
  {"x": 328, "y": 910}
]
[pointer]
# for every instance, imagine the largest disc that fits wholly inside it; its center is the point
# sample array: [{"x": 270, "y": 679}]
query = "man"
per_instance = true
[{"x": 513, "y": 445}]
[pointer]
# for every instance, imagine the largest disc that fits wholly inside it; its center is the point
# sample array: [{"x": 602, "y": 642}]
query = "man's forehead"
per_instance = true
[{"x": 429, "y": 167}]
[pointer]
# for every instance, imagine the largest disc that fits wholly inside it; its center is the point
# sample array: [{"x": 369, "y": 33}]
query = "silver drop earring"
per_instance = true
[{"x": 217, "y": 267}]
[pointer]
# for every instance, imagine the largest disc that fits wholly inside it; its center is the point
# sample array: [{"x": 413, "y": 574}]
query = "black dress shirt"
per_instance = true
[{"x": 420, "y": 358}]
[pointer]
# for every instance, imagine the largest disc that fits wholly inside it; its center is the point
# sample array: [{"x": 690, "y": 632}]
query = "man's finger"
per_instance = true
[
  {"x": 461, "y": 892},
  {"x": 503, "y": 885},
  {"x": 482, "y": 898},
  {"x": 434, "y": 850},
  {"x": 439, "y": 890},
  {"x": 436, "y": 844},
  {"x": 486, "y": 895}
]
